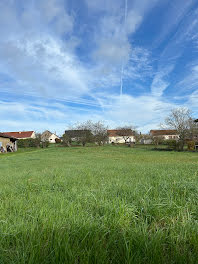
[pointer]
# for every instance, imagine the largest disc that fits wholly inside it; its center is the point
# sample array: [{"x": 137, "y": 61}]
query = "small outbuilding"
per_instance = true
[{"x": 7, "y": 143}]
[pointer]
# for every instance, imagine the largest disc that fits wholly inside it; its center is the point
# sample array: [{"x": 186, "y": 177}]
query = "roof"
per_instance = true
[
  {"x": 196, "y": 120},
  {"x": 47, "y": 134},
  {"x": 118, "y": 132},
  {"x": 4, "y": 135},
  {"x": 20, "y": 134},
  {"x": 77, "y": 133},
  {"x": 163, "y": 132}
]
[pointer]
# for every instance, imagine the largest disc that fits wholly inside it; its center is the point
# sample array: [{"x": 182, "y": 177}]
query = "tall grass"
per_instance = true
[{"x": 99, "y": 205}]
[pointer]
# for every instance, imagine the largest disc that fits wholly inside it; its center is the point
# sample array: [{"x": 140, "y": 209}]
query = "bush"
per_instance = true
[
  {"x": 171, "y": 144},
  {"x": 29, "y": 142},
  {"x": 191, "y": 145},
  {"x": 45, "y": 144},
  {"x": 158, "y": 141}
]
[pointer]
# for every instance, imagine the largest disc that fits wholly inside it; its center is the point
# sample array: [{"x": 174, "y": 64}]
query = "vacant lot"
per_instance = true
[{"x": 99, "y": 205}]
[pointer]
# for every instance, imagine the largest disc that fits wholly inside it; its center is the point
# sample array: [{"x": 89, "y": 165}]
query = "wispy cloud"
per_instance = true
[
  {"x": 160, "y": 83},
  {"x": 176, "y": 11}
]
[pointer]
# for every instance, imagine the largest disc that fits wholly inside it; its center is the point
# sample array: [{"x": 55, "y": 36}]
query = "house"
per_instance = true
[
  {"x": 21, "y": 134},
  {"x": 165, "y": 134},
  {"x": 146, "y": 141},
  {"x": 76, "y": 134},
  {"x": 7, "y": 143},
  {"x": 121, "y": 136},
  {"x": 49, "y": 136}
]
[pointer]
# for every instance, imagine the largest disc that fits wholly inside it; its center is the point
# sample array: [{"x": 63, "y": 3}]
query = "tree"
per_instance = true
[
  {"x": 125, "y": 132},
  {"x": 99, "y": 132},
  {"x": 157, "y": 140},
  {"x": 180, "y": 120},
  {"x": 79, "y": 133},
  {"x": 66, "y": 139},
  {"x": 141, "y": 138},
  {"x": 37, "y": 140},
  {"x": 87, "y": 132},
  {"x": 84, "y": 134}
]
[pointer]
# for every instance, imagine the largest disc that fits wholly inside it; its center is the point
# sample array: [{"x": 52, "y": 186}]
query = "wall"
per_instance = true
[
  {"x": 171, "y": 137},
  {"x": 121, "y": 139},
  {"x": 33, "y": 135},
  {"x": 52, "y": 138}
]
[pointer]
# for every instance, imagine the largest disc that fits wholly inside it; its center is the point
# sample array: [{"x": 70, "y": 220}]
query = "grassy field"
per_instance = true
[{"x": 99, "y": 205}]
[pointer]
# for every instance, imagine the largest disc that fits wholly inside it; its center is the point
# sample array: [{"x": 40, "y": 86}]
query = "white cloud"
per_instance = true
[
  {"x": 42, "y": 64},
  {"x": 55, "y": 14},
  {"x": 133, "y": 21},
  {"x": 38, "y": 52},
  {"x": 190, "y": 80},
  {"x": 113, "y": 47},
  {"x": 159, "y": 83}
]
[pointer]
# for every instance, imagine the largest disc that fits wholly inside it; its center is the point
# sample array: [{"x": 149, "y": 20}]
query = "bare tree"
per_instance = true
[
  {"x": 180, "y": 120},
  {"x": 80, "y": 133},
  {"x": 126, "y": 132},
  {"x": 141, "y": 138},
  {"x": 66, "y": 139},
  {"x": 87, "y": 132},
  {"x": 157, "y": 140},
  {"x": 99, "y": 131},
  {"x": 38, "y": 140}
]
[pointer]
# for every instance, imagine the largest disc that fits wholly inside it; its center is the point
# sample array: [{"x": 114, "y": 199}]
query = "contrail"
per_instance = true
[{"x": 122, "y": 67}]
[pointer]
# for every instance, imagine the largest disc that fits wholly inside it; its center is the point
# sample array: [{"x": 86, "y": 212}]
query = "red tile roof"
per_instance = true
[
  {"x": 117, "y": 132},
  {"x": 163, "y": 132},
  {"x": 22, "y": 134},
  {"x": 4, "y": 135}
]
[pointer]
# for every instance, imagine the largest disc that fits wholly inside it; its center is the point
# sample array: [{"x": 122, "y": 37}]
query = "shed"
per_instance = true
[{"x": 8, "y": 143}]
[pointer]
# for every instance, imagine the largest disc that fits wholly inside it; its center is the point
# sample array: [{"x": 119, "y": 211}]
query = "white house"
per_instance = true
[
  {"x": 48, "y": 136},
  {"x": 119, "y": 136},
  {"x": 165, "y": 134}
]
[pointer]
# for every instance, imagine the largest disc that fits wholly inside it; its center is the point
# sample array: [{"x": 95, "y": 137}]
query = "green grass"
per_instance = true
[{"x": 98, "y": 205}]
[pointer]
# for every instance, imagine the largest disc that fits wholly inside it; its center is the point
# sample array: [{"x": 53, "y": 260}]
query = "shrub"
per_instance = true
[
  {"x": 171, "y": 144},
  {"x": 45, "y": 144},
  {"x": 191, "y": 145},
  {"x": 29, "y": 142}
]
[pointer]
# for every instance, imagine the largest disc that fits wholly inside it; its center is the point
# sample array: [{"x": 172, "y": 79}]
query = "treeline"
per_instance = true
[
  {"x": 173, "y": 144},
  {"x": 179, "y": 119}
]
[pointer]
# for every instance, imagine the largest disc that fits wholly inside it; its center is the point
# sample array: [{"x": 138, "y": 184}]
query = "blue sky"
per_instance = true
[{"x": 62, "y": 62}]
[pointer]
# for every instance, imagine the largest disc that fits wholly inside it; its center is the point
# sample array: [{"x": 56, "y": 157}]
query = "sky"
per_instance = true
[{"x": 125, "y": 62}]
